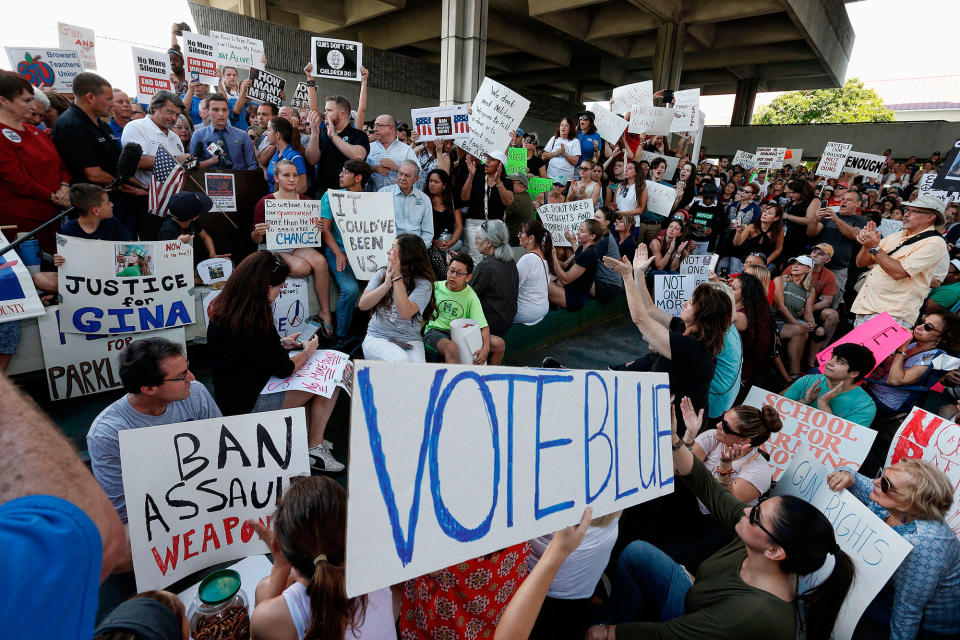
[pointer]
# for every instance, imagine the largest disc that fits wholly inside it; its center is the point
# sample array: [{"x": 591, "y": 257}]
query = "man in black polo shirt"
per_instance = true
[
  {"x": 89, "y": 147},
  {"x": 335, "y": 143}
]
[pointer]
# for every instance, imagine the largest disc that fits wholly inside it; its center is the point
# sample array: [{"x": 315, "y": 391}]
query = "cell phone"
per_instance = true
[
  {"x": 309, "y": 330},
  {"x": 667, "y": 96}
]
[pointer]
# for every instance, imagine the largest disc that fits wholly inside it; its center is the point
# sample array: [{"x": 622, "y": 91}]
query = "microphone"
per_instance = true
[
  {"x": 217, "y": 149},
  {"x": 126, "y": 164}
]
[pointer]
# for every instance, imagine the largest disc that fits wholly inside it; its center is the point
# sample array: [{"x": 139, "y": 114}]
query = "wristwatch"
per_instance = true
[{"x": 873, "y": 251}]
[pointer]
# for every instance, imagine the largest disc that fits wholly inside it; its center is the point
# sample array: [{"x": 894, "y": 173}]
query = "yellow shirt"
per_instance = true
[{"x": 901, "y": 298}]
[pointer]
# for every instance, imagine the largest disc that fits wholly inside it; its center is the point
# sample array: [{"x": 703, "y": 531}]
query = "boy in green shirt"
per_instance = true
[
  {"x": 455, "y": 299},
  {"x": 835, "y": 390}
]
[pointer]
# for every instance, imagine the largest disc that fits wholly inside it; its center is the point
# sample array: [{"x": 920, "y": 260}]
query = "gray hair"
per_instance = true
[
  {"x": 411, "y": 163},
  {"x": 42, "y": 98},
  {"x": 496, "y": 234},
  {"x": 161, "y": 98}
]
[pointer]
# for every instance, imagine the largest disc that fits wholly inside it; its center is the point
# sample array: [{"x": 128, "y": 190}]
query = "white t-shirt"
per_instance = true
[
  {"x": 626, "y": 202},
  {"x": 532, "y": 301},
  {"x": 378, "y": 623},
  {"x": 149, "y": 136},
  {"x": 559, "y": 167},
  {"x": 752, "y": 468},
  {"x": 580, "y": 572}
]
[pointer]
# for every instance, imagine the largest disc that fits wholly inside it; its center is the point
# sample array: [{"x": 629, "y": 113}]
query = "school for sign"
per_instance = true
[
  {"x": 340, "y": 59},
  {"x": 18, "y": 296},
  {"x": 190, "y": 487},
  {"x": 46, "y": 68},
  {"x": 124, "y": 287},
  {"x": 265, "y": 87},
  {"x": 441, "y": 123},
  {"x": 875, "y": 548},
  {"x": 564, "y": 216},
  {"x": 367, "y": 226},
  {"x": 152, "y": 70},
  {"x": 292, "y": 224},
  {"x": 238, "y": 51},
  {"x": 481, "y": 458},
  {"x": 834, "y": 441},
  {"x": 496, "y": 111}
]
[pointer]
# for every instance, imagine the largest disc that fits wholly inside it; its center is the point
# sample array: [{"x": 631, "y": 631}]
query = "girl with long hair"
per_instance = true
[
  {"x": 576, "y": 275},
  {"x": 799, "y": 212},
  {"x": 447, "y": 221},
  {"x": 401, "y": 297},
  {"x": 280, "y": 134},
  {"x": 623, "y": 226},
  {"x": 793, "y": 301},
  {"x": 686, "y": 186},
  {"x": 764, "y": 235},
  {"x": 585, "y": 188},
  {"x": 671, "y": 245},
  {"x": 630, "y": 196},
  {"x": 533, "y": 267},
  {"x": 728, "y": 193},
  {"x": 753, "y": 321}
]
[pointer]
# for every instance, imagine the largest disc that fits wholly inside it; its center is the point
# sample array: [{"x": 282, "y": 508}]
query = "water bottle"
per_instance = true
[{"x": 445, "y": 236}]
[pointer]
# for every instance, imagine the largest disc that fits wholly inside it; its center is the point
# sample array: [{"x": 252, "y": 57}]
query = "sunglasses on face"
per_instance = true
[
  {"x": 725, "y": 426},
  {"x": 885, "y": 485},
  {"x": 927, "y": 326},
  {"x": 754, "y": 519}
]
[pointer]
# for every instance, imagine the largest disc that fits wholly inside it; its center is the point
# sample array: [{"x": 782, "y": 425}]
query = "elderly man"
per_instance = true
[
  {"x": 334, "y": 142},
  {"x": 904, "y": 261},
  {"x": 412, "y": 210},
  {"x": 236, "y": 144},
  {"x": 121, "y": 113},
  {"x": 486, "y": 194},
  {"x": 387, "y": 152}
]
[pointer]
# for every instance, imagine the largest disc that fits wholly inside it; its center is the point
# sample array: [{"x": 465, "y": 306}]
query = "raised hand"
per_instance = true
[
  {"x": 641, "y": 259},
  {"x": 565, "y": 541},
  {"x": 691, "y": 418},
  {"x": 728, "y": 454},
  {"x": 621, "y": 267}
]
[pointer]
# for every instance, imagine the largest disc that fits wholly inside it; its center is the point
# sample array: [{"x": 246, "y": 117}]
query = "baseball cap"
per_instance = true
[
  {"x": 934, "y": 205},
  {"x": 521, "y": 178},
  {"x": 588, "y": 114},
  {"x": 826, "y": 248},
  {"x": 804, "y": 260},
  {"x": 498, "y": 155},
  {"x": 187, "y": 205}
]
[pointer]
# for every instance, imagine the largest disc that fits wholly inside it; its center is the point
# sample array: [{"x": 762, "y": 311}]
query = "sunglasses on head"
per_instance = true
[{"x": 754, "y": 519}]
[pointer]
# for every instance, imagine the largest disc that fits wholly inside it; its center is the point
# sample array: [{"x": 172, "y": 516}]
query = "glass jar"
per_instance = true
[{"x": 220, "y": 610}]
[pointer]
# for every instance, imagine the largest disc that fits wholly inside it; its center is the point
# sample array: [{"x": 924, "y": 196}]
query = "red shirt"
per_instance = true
[
  {"x": 30, "y": 170},
  {"x": 260, "y": 211}
]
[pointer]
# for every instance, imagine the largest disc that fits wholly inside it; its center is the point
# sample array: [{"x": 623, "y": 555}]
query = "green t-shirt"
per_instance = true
[
  {"x": 455, "y": 304},
  {"x": 855, "y": 405}
]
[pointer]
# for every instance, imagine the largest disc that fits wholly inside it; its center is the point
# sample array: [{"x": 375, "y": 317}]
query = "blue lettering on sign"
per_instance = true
[
  {"x": 89, "y": 319},
  {"x": 295, "y": 238},
  {"x": 588, "y": 437},
  {"x": 616, "y": 440},
  {"x": 547, "y": 444}
]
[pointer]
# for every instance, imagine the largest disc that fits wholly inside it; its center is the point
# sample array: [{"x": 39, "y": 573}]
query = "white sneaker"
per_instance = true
[{"x": 322, "y": 460}]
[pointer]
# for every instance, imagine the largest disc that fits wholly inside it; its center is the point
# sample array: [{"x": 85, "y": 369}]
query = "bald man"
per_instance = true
[{"x": 386, "y": 153}]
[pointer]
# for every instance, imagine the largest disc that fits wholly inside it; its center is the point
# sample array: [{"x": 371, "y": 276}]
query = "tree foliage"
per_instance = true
[{"x": 850, "y": 103}]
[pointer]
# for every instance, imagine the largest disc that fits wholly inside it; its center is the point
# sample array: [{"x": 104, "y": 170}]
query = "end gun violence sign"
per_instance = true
[
  {"x": 450, "y": 462},
  {"x": 190, "y": 487},
  {"x": 124, "y": 287},
  {"x": 367, "y": 227}
]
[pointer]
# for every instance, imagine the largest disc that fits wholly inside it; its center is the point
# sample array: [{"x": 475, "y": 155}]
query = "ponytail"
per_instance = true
[
  {"x": 535, "y": 229},
  {"x": 330, "y": 609}
]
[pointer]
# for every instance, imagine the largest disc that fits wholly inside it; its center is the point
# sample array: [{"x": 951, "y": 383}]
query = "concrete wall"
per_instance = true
[{"x": 905, "y": 138}]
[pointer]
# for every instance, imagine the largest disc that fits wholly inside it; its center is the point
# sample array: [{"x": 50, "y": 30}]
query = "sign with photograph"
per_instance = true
[
  {"x": 332, "y": 58},
  {"x": 222, "y": 189},
  {"x": 214, "y": 270},
  {"x": 18, "y": 296},
  {"x": 949, "y": 177}
]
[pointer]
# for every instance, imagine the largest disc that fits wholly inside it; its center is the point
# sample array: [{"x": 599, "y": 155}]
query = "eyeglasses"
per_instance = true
[
  {"x": 885, "y": 485},
  {"x": 927, "y": 326},
  {"x": 725, "y": 427},
  {"x": 454, "y": 272},
  {"x": 186, "y": 374},
  {"x": 754, "y": 519},
  {"x": 586, "y": 168}
]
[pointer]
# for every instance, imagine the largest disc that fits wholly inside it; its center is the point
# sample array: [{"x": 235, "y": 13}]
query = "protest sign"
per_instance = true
[
  {"x": 78, "y": 365},
  {"x": 152, "y": 70},
  {"x": 699, "y": 265},
  {"x": 833, "y": 159},
  {"x": 524, "y": 451},
  {"x": 834, "y": 441},
  {"x": 18, "y": 296},
  {"x": 697, "y": 135},
  {"x": 537, "y": 186},
  {"x": 864, "y": 164},
  {"x": 651, "y": 121},
  {"x": 744, "y": 159},
  {"x": 948, "y": 179},
  {"x": 214, "y": 270},
  {"x": 660, "y": 197},
  {"x": 564, "y": 216},
  {"x": 367, "y": 226},
  {"x": 200, "y": 57},
  {"x": 670, "y": 291},
  {"x": 209, "y": 297},
  {"x": 238, "y": 51},
  {"x": 609, "y": 125},
  {"x": 926, "y": 188},
  {"x": 323, "y": 372},
  {"x": 191, "y": 486},
  {"x": 516, "y": 160},
  {"x": 292, "y": 223},
  {"x": 291, "y": 308},
  {"x": 82, "y": 39},
  {"x": 672, "y": 162},
  {"x": 46, "y": 68},
  {"x": 124, "y": 287},
  {"x": 625, "y": 97},
  {"x": 222, "y": 189},
  {"x": 441, "y": 123},
  {"x": 265, "y": 87},
  {"x": 496, "y": 111},
  {"x": 769, "y": 157},
  {"x": 300, "y": 97},
  {"x": 686, "y": 111},
  {"x": 888, "y": 226},
  {"x": 332, "y": 58},
  {"x": 927, "y": 436},
  {"x": 875, "y": 548},
  {"x": 881, "y": 334}
]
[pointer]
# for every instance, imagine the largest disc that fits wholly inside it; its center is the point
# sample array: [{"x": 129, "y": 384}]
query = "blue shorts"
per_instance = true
[{"x": 9, "y": 337}]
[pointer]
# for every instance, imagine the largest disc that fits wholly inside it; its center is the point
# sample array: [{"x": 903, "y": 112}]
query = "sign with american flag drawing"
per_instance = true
[
  {"x": 441, "y": 123},
  {"x": 167, "y": 180}
]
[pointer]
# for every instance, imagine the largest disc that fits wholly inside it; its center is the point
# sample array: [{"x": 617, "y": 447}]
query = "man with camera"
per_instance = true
[{"x": 220, "y": 145}]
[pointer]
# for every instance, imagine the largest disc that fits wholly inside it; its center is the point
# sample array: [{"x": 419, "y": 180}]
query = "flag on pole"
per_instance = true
[
  {"x": 461, "y": 123},
  {"x": 424, "y": 126},
  {"x": 168, "y": 177}
]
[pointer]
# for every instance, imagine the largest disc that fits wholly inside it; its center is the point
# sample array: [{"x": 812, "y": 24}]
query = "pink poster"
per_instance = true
[{"x": 881, "y": 334}]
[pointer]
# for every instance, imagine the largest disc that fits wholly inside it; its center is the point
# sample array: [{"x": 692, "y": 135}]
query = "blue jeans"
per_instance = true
[
  {"x": 648, "y": 586},
  {"x": 349, "y": 292}
]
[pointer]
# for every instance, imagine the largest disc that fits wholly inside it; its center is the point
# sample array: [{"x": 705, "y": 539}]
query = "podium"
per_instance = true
[{"x": 250, "y": 186}]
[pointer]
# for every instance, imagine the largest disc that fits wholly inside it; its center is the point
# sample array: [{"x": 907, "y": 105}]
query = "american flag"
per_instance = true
[
  {"x": 461, "y": 123},
  {"x": 424, "y": 126},
  {"x": 167, "y": 180}
]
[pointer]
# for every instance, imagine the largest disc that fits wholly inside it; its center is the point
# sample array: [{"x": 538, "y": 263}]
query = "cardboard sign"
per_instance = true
[
  {"x": 927, "y": 436},
  {"x": 875, "y": 548},
  {"x": 191, "y": 486},
  {"x": 672, "y": 162},
  {"x": 265, "y": 87},
  {"x": 300, "y": 97},
  {"x": 793, "y": 157},
  {"x": 236, "y": 51},
  {"x": 367, "y": 226},
  {"x": 82, "y": 39},
  {"x": 214, "y": 270},
  {"x": 78, "y": 365},
  {"x": 222, "y": 189},
  {"x": 834, "y": 441},
  {"x": 152, "y": 71},
  {"x": 516, "y": 160},
  {"x": 926, "y": 187},
  {"x": 651, "y": 121},
  {"x": 880, "y": 334},
  {"x": 660, "y": 198},
  {"x": 625, "y": 97},
  {"x": 323, "y": 372},
  {"x": 292, "y": 307},
  {"x": 770, "y": 157},
  {"x": 686, "y": 116},
  {"x": 46, "y": 68},
  {"x": 670, "y": 291},
  {"x": 340, "y": 59},
  {"x": 699, "y": 265},
  {"x": 200, "y": 57},
  {"x": 124, "y": 287},
  {"x": 833, "y": 159},
  {"x": 496, "y": 111},
  {"x": 481, "y": 458},
  {"x": 536, "y": 186},
  {"x": 949, "y": 177},
  {"x": 564, "y": 216},
  {"x": 888, "y": 226},
  {"x": 744, "y": 159},
  {"x": 441, "y": 123},
  {"x": 609, "y": 125},
  {"x": 864, "y": 164},
  {"x": 18, "y": 296},
  {"x": 292, "y": 224}
]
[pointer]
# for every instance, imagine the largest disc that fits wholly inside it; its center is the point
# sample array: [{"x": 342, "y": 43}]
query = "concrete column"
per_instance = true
[
  {"x": 668, "y": 57},
  {"x": 463, "y": 49},
  {"x": 254, "y": 8},
  {"x": 743, "y": 103}
]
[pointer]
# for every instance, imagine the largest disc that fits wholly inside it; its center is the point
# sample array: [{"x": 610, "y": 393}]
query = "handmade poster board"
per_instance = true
[
  {"x": 495, "y": 112},
  {"x": 867, "y": 165},
  {"x": 833, "y": 159},
  {"x": 564, "y": 216},
  {"x": 292, "y": 224},
  {"x": 624, "y": 97},
  {"x": 321, "y": 374},
  {"x": 367, "y": 226},
  {"x": 18, "y": 296},
  {"x": 82, "y": 39},
  {"x": 238, "y": 51}
]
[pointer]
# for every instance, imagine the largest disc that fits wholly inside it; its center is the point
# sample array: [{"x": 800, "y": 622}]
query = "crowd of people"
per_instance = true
[{"x": 801, "y": 261}]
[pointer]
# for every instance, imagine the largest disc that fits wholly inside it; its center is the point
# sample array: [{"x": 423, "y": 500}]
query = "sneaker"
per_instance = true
[
  {"x": 551, "y": 363},
  {"x": 323, "y": 460}
]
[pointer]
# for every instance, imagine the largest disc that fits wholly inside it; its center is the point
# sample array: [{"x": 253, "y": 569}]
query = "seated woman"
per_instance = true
[
  {"x": 793, "y": 301},
  {"x": 576, "y": 275},
  {"x": 447, "y": 219},
  {"x": 607, "y": 285},
  {"x": 763, "y": 236},
  {"x": 747, "y": 590},
  {"x": 920, "y": 599},
  {"x": 671, "y": 245},
  {"x": 304, "y": 595},
  {"x": 246, "y": 350},
  {"x": 585, "y": 188},
  {"x": 623, "y": 227},
  {"x": 496, "y": 280},
  {"x": 400, "y": 295},
  {"x": 533, "y": 269},
  {"x": 753, "y": 321}
]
